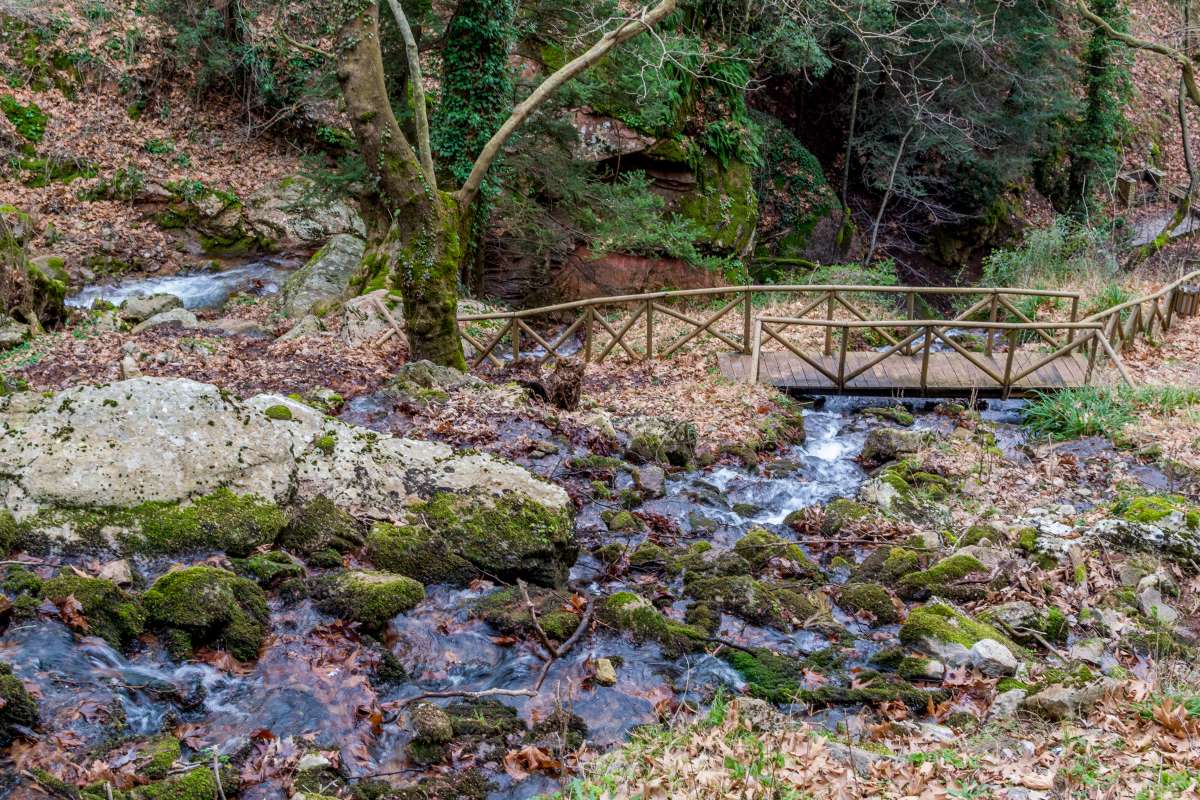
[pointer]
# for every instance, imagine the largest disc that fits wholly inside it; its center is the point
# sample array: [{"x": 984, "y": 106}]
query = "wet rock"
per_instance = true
[
  {"x": 761, "y": 603},
  {"x": 946, "y": 633},
  {"x": 605, "y": 672},
  {"x": 622, "y": 521},
  {"x": 118, "y": 571},
  {"x": 651, "y": 479},
  {"x": 888, "y": 565},
  {"x": 506, "y": 611},
  {"x": 325, "y": 278},
  {"x": 18, "y": 711},
  {"x": 887, "y": 444},
  {"x": 206, "y": 605},
  {"x": 631, "y": 612},
  {"x": 1006, "y": 704},
  {"x": 993, "y": 659},
  {"x": 659, "y": 440},
  {"x": 139, "y": 309},
  {"x": 269, "y": 570},
  {"x": 371, "y": 599},
  {"x": 953, "y": 578},
  {"x": 871, "y": 598},
  {"x": 762, "y": 549},
  {"x": 318, "y": 525},
  {"x": 897, "y": 414},
  {"x": 178, "y": 317},
  {"x": 108, "y": 611},
  {"x": 431, "y": 724},
  {"x": 698, "y": 523}
]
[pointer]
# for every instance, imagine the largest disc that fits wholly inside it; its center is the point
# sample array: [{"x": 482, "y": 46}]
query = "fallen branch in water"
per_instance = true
[
  {"x": 537, "y": 623},
  {"x": 472, "y": 695},
  {"x": 559, "y": 652}
]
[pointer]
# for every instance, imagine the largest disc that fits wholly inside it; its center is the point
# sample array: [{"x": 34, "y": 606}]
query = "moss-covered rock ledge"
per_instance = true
[{"x": 166, "y": 466}]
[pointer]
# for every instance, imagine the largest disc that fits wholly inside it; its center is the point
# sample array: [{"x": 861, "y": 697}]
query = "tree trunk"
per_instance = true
[{"x": 423, "y": 244}]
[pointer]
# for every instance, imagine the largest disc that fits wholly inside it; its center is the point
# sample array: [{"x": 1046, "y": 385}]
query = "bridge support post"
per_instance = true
[
  {"x": 747, "y": 313},
  {"x": 925, "y": 358},
  {"x": 1074, "y": 318},
  {"x": 756, "y": 351}
]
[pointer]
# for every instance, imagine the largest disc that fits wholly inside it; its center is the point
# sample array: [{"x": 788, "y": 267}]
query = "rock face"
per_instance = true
[
  {"x": 179, "y": 441},
  {"x": 290, "y": 215},
  {"x": 325, "y": 277}
]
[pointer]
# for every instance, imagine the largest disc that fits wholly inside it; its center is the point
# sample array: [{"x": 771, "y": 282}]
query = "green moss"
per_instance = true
[
  {"x": 621, "y": 521},
  {"x": 30, "y": 121},
  {"x": 195, "y": 784},
  {"x": 8, "y": 533},
  {"x": 841, "y": 512},
  {"x": 977, "y": 533},
  {"x": 505, "y": 610},
  {"x": 207, "y": 605},
  {"x": 278, "y": 412},
  {"x": 1027, "y": 539},
  {"x": 20, "y": 580},
  {"x": 325, "y": 443},
  {"x": 942, "y": 623},
  {"x": 222, "y": 520},
  {"x": 592, "y": 463},
  {"x": 320, "y": 525},
  {"x": 111, "y": 614},
  {"x": 1155, "y": 508},
  {"x": 630, "y": 612},
  {"x": 724, "y": 208},
  {"x": 897, "y": 414},
  {"x": 648, "y": 556},
  {"x": 18, "y": 708},
  {"x": 941, "y": 578},
  {"x": 762, "y": 603},
  {"x": 869, "y": 597},
  {"x": 888, "y": 565},
  {"x": 269, "y": 569},
  {"x": 760, "y": 546},
  {"x": 371, "y": 599},
  {"x": 417, "y": 552},
  {"x": 161, "y": 753}
]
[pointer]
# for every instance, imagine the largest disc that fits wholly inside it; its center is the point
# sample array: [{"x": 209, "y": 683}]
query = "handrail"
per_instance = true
[
  {"x": 768, "y": 289},
  {"x": 940, "y": 323},
  {"x": 1191, "y": 277}
]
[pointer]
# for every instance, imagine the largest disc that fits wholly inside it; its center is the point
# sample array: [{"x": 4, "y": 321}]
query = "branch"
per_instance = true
[
  {"x": 418, "y": 92},
  {"x": 644, "y": 21}
]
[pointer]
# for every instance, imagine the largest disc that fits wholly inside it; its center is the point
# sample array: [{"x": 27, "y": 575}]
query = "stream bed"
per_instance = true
[
  {"x": 312, "y": 680},
  {"x": 197, "y": 289}
]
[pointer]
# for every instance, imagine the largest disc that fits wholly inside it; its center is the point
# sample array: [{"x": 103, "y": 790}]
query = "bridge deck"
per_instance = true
[{"x": 950, "y": 375}]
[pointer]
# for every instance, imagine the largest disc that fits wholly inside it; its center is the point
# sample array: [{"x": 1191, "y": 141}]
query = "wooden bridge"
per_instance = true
[{"x": 867, "y": 340}]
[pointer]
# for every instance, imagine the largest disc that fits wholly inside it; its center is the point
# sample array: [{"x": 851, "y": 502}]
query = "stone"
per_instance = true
[
  {"x": 18, "y": 711},
  {"x": 179, "y": 317},
  {"x": 993, "y": 659},
  {"x": 1170, "y": 535},
  {"x": 312, "y": 762},
  {"x": 324, "y": 278},
  {"x": 1090, "y": 651},
  {"x": 606, "y": 673},
  {"x": 651, "y": 479},
  {"x": 363, "y": 322},
  {"x": 232, "y": 326},
  {"x": 430, "y": 723},
  {"x": 886, "y": 444},
  {"x": 1006, "y": 704},
  {"x": 659, "y": 440},
  {"x": 601, "y": 137},
  {"x": 1058, "y": 702},
  {"x": 118, "y": 571},
  {"x": 1151, "y": 604},
  {"x": 369, "y": 598},
  {"x": 129, "y": 367},
  {"x": 291, "y": 214},
  {"x": 308, "y": 325},
  {"x": 206, "y": 605},
  {"x": 12, "y": 332},
  {"x": 139, "y": 309}
]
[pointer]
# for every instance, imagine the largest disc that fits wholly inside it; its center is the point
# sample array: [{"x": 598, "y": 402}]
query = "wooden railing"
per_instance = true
[
  {"x": 586, "y": 328},
  {"x": 1125, "y": 322},
  {"x": 1074, "y": 336}
]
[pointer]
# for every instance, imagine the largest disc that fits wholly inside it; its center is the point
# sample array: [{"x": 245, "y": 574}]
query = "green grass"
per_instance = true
[{"x": 1093, "y": 411}]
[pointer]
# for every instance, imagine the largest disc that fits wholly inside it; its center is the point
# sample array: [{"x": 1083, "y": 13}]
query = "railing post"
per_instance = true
[
  {"x": 842, "y": 359},
  {"x": 649, "y": 329},
  {"x": 1172, "y": 298},
  {"x": 912, "y": 314},
  {"x": 756, "y": 351},
  {"x": 1093, "y": 351},
  {"x": 516, "y": 339},
  {"x": 1074, "y": 318},
  {"x": 987, "y": 348},
  {"x": 829, "y": 321},
  {"x": 747, "y": 313},
  {"x": 925, "y": 358},
  {"x": 1013, "y": 339},
  {"x": 588, "y": 323}
]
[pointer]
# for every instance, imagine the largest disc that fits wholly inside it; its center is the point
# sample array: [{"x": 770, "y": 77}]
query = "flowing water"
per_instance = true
[
  {"x": 311, "y": 679},
  {"x": 204, "y": 289}
]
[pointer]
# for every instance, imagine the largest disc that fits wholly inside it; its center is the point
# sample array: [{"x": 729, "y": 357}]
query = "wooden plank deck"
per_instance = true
[{"x": 950, "y": 374}]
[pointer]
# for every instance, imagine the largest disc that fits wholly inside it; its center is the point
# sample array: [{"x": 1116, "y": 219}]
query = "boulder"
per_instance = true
[
  {"x": 651, "y": 479},
  {"x": 371, "y": 599},
  {"x": 12, "y": 332},
  {"x": 659, "y": 440},
  {"x": 1175, "y": 534},
  {"x": 163, "y": 465},
  {"x": 324, "y": 278},
  {"x": 887, "y": 444},
  {"x": 1059, "y": 702},
  {"x": 18, "y": 710},
  {"x": 179, "y": 317},
  {"x": 139, "y": 309},
  {"x": 993, "y": 659},
  {"x": 362, "y": 320},
  {"x": 208, "y": 606},
  {"x": 292, "y": 215},
  {"x": 309, "y": 325}
]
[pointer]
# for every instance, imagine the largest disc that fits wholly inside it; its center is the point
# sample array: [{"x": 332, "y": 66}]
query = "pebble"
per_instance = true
[{"x": 606, "y": 673}]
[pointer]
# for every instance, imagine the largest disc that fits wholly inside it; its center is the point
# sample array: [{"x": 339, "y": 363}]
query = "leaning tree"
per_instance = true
[{"x": 428, "y": 226}]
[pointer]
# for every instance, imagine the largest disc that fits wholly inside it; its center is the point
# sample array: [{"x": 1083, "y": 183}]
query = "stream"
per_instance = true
[
  {"x": 199, "y": 289},
  {"x": 308, "y": 681}
]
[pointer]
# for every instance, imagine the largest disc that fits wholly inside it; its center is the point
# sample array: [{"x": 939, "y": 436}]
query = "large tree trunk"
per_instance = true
[{"x": 423, "y": 244}]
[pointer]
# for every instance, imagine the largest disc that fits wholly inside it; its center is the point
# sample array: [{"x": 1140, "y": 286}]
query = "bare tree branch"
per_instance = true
[{"x": 424, "y": 151}]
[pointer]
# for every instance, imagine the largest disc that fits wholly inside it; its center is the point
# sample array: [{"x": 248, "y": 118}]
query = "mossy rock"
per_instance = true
[
  {"x": 371, "y": 599},
  {"x": 508, "y": 538},
  {"x": 111, "y": 614},
  {"x": 869, "y": 597},
  {"x": 8, "y": 533},
  {"x": 843, "y": 512},
  {"x": 622, "y": 521},
  {"x": 237, "y": 524},
  {"x": 941, "y": 623},
  {"x": 978, "y": 533},
  {"x": 161, "y": 752},
  {"x": 888, "y": 565},
  {"x": 208, "y": 606},
  {"x": 760, "y": 546},
  {"x": 319, "y": 524},
  {"x": 505, "y": 610},
  {"x": 18, "y": 709},
  {"x": 942, "y": 579},
  {"x": 19, "y": 580},
  {"x": 269, "y": 570},
  {"x": 724, "y": 206},
  {"x": 897, "y": 414},
  {"x": 649, "y": 557},
  {"x": 419, "y": 553},
  {"x": 764, "y": 604},
  {"x": 631, "y": 612},
  {"x": 1151, "y": 509}
]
